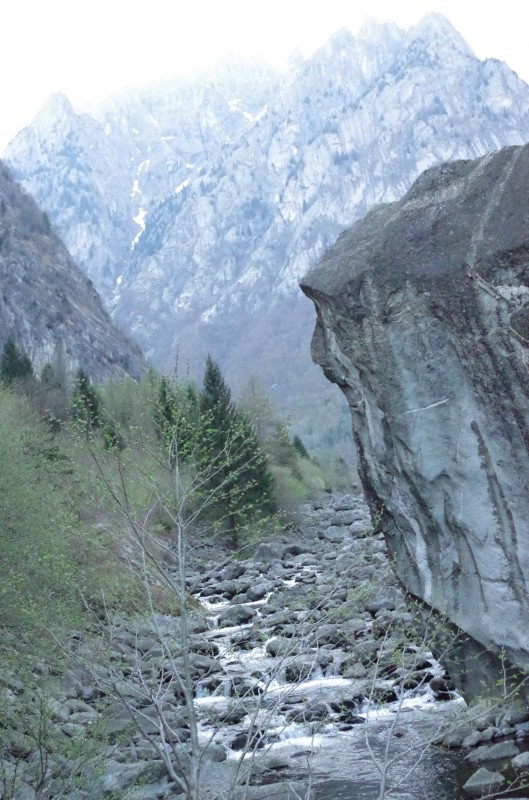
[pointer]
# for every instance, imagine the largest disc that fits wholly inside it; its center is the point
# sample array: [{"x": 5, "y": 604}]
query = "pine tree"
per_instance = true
[
  {"x": 239, "y": 477},
  {"x": 178, "y": 418},
  {"x": 252, "y": 480},
  {"x": 86, "y": 404},
  {"x": 216, "y": 405},
  {"x": 300, "y": 448},
  {"x": 14, "y": 364}
]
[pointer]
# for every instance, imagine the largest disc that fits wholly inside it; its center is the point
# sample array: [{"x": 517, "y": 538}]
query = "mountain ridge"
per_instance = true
[
  {"x": 236, "y": 196},
  {"x": 47, "y": 305}
]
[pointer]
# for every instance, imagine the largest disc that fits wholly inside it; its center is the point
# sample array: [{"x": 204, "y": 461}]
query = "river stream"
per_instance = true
[{"x": 334, "y": 708}]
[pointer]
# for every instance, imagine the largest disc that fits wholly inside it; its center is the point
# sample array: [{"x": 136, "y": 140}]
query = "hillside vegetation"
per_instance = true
[{"x": 95, "y": 478}]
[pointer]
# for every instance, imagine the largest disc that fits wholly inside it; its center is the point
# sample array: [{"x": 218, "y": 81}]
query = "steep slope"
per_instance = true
[
  {"x": 47, "y": 304},
  {"x": 423, "y": 321},
  {"x": 97, "y": 175},
  {"x": 238, "y": 201}
]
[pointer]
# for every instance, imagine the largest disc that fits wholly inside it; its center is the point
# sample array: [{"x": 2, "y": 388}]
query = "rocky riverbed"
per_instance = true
[{"x": 305, "y": 673}]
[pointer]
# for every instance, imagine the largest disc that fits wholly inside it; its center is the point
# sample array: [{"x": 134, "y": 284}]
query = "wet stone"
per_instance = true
[
  {"x": 493, "y": 752},
  {"x": 321, "y": 635},
  {"x": 472, "y": 739},
  {"x": 279, "y": 647},
  {"x": 236, "y": 615},
  {"x": 312, "y": 713},
  {"x": 483, "y": 779},
  {"x": 298, "y": 671}
]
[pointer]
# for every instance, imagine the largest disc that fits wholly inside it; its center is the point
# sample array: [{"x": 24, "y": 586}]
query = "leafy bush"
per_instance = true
[{"x": 290, "y": 492}]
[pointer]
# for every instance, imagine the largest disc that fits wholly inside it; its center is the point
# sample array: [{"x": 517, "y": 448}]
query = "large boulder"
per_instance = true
[{"x": 423, "y": 322}]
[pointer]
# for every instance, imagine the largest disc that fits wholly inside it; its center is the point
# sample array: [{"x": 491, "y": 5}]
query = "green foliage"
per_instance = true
[
  {"x": 289, "y": 490},
  {"x": 48, "y": 378},
  {"x": 296, "y": 476},
  {"x": 36, "y": 524},
  {"x": 179, "y": 419},
  {"x": 86, "y": 403},
  {"x": 60, "y": 527},
  {"x": 238, "y": 479},
  {"x": 216, "y": 406},
  {"x": 299, "y": 447},
  {"x": 311, "y": 476},
  {"x": 14, "y": 364},
  {"x": 117, "y": 489},
  {"x": 88, "y": 410},
  {"x": 260, "y": 410}
]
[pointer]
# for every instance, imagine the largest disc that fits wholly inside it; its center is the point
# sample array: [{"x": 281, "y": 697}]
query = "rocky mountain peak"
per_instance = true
[
  {"x": 434, "y": 39},
  {"x": 373, "y": 31},
  {"x": 360, "y": 58},
  {"x": 197, "y": 205},
  {"x": 55, "y": 123},
  {"x": 57, "y": 111}
]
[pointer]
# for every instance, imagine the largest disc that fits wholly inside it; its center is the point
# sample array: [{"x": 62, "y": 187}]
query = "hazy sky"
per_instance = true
[{"x": 89, "y": 49}]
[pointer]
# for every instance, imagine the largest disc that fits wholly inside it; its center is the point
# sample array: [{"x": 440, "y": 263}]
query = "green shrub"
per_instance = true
[
  {"x": 311, "y": 476},
  {"x": 290, "y": 492}
]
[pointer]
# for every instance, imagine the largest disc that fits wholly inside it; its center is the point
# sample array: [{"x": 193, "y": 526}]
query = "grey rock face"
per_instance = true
[
  {"x": 423, "y": 322},
  {"x": 47, "y": 304}
]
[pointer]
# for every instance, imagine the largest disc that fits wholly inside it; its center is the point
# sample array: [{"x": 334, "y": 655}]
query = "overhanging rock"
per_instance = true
[{"x": 423, "y": 321}]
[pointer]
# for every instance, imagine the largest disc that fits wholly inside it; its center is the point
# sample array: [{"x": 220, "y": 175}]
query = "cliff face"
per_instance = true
[
  {"x": 47, "y": 304},
  {"x": 423, "y": 321}
]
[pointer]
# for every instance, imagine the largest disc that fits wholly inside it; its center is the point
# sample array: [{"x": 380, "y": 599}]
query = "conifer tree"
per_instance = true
[
  {"x": 300, "y": 448},
  {"x": 14, "y": 363},
  {"x": 86, "y": 403},
  {"x": 178, "y": 418},
  {"x": 217, "y": 406},
  {"x": 239, "y": 476}
]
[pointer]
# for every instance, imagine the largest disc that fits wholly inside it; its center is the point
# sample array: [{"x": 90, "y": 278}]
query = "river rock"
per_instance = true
[
  {"x": 279, "y": 646},
  {"x": 236, "y": 615},
  {"x": 311, "y": 713},
  {"x": 333, "y": 534},
  {"x": 233, "y": 571},
  {"x": 258, "y": 591},
  {"x": 119, "y": 777},
  {"x": 484, "y": 780},
  {"x": 521, "y": 761},
  {"x": 373, "y": 606},
  {"x": 456, "y": 737},
  {"x": 472, "y": 739},
  {"x": 298, "y": 671},
  {"x": 215, "y": 752},
  {"x": 423, "y": 322},
  {"x": 512, "y": 716},
  {"x": 493, "y": 752},
  {"x": 346, "y": 517}
]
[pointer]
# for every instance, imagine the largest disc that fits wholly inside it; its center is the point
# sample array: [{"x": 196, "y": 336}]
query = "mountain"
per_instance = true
[
  {"x": 240, "y": 180},
  {"x": 47, "y": 305}
]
